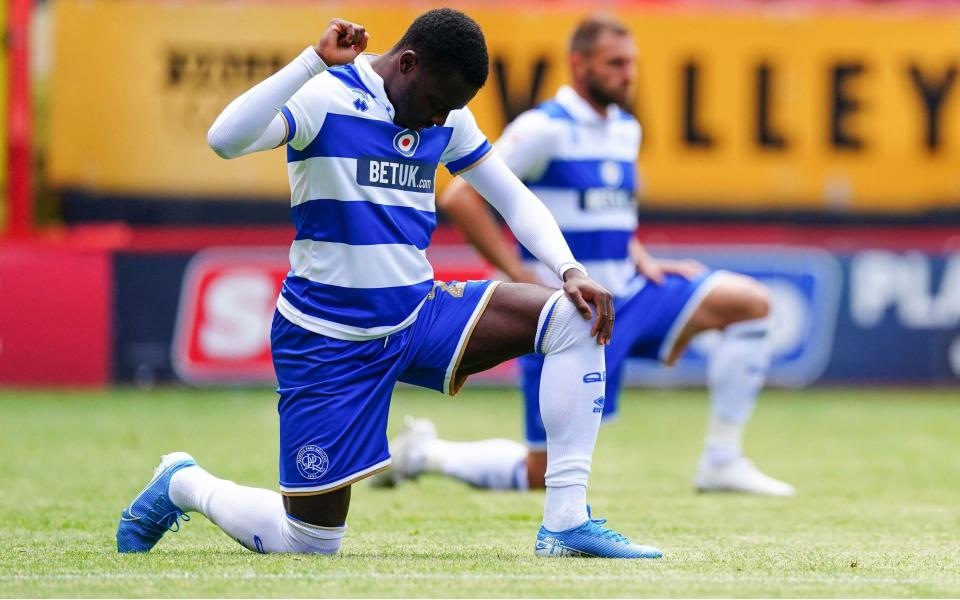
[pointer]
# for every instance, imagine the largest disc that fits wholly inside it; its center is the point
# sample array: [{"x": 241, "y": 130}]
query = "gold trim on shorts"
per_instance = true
[{"x": 456, "y": 382}]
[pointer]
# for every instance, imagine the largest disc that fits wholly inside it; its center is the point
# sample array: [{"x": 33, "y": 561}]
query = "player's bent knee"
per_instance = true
[
  {"x": 756, "y": 300},
  {"x": 736, "y": 298},
  {"x": 561, "y": 326}
]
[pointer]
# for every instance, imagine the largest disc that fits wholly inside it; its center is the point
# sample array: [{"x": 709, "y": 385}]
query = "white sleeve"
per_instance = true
[
  {"x": 467, "y": 145},
  {"x": 528, "y": 142},
  {"x": 528, "y": 219},
  {"x": 253, "y": 121},
  {"x": 306, "y": 111}
]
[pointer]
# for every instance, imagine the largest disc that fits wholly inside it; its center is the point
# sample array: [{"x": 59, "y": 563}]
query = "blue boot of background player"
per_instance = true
[
  {"x": 152, "y": 513},
  {"x": 591, "y": 540}
]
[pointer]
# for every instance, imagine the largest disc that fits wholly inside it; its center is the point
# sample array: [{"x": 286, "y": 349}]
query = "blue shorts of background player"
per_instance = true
[
  {"x": 649, "y": 319},
  {"x": 335, "y": 394}
]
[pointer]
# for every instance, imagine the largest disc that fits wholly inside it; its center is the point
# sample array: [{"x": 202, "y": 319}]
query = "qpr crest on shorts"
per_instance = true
[
  {"x": 406, "y": 142},
  {"x": 312, "y": 462}
]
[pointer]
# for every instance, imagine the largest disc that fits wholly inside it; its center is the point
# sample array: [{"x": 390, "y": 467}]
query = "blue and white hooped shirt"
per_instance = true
[
  {"x": 362, "y": 197},
  {"x": 582, "y": 165}
]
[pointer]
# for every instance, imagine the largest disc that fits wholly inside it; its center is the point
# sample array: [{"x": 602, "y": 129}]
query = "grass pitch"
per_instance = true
[{"x": 878, "y": 513}]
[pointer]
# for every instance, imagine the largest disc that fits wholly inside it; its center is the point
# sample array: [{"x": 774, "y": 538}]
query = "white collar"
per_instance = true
[
  {"x": 581, "y": 110},
  {"x": 373, "y": 81}
]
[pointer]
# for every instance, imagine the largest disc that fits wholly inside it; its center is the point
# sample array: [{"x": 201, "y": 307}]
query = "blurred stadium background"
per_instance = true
[{"x": 814, "y": 145}]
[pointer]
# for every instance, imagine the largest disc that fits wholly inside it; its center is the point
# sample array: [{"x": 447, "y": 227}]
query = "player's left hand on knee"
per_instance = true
[
  {"x": 583, "y": 292},
  {"x": 688, "y": 268}
]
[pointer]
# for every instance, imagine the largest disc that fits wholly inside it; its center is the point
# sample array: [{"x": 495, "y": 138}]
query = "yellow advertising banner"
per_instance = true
[{"x": 838, "y": 111}]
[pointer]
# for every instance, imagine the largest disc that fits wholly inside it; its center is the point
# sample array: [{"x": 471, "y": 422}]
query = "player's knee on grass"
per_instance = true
[
  {"x": 322, "y": 510},
  {"x": 316, "y": 524},
  {"x": 304, "y": 538}
]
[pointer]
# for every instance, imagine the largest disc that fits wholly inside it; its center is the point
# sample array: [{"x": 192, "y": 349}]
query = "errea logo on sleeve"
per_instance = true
[{"x": 396, "y": 173}]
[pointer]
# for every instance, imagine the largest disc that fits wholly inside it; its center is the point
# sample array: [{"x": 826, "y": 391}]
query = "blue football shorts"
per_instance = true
[
  {"x": 649, "y": 319},
  {"x": 335, "y": 394}
]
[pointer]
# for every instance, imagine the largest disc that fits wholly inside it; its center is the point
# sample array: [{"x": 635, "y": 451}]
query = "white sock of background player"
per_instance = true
[
  {"x": 495, "y": 464},
  {"x": 736, "y": 371}
]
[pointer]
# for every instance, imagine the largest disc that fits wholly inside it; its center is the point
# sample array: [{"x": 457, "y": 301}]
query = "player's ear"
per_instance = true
[
  {"x": 408, "y": 61},
  {"x": 577, "y": 60}
]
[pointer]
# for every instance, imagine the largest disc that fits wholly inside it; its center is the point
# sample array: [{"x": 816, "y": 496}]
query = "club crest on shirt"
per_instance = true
[
  {"x": 312, "y": 462},
  {"x": 611, "y": 195},
  {"x": 406, "y": 142},
  {"x": 611, "y": 173}
]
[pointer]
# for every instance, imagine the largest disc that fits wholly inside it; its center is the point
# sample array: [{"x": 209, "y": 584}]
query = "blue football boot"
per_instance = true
[
  {"x": 152, "y": 513},
  {"x": 590, "y": 540}
]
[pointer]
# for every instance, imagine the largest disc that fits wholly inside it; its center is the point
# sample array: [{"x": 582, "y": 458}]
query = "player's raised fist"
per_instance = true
[{"x": 342, "y": 42}]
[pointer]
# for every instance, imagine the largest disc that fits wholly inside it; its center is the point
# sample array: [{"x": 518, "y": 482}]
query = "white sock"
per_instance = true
[
  {"x": 254, "y": 517},
  {"x": 565, "y": 507},
  {"x": 569, "y": 407},
  {"x": 495, "y": 464},
  {"x": 736, "y": 373},
  {"x": 724, "y": 442}
]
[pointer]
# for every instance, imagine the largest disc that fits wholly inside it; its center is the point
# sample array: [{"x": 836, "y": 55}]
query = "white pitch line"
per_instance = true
[{"x": 639, "y": 577}]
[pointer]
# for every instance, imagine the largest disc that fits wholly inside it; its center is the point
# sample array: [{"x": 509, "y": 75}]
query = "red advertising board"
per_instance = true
[
  {"x": 223, "y": 321},
  {"x": 55, "y": 315}
]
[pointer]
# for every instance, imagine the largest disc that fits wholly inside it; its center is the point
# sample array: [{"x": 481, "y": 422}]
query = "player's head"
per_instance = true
[
  {"x": 603, "y": 60},
  {"x": 441, "y": 63}
]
